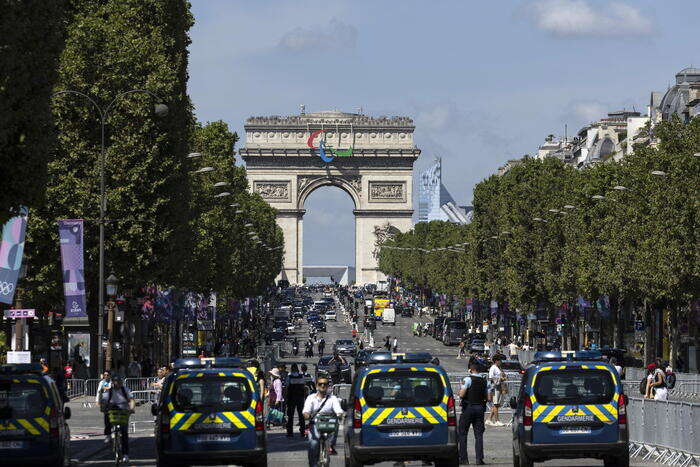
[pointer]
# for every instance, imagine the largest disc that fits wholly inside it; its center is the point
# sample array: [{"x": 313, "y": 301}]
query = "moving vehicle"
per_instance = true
[
  {"x": 379, "y": 305},
  {"x": 570, "y": 405},
  {"x": 389, "y": 316},
  {"x": 209, "y": 412},
  {"x": 453, "y": 332},
  {"x": 33, "y": 428},
  {"x": 437, "y": 326},
  {"x": 338, "y": 372},
  {"x": 345, "y": 347},
  {"x": 283, "y": 312},
  {"x": 362, "y": 358},
  {"x": 401, "y": 409},
  {"x": 477, "y": 342},
  {"x": 330, "y": 315},
  {"x": 319, "y": 325}
]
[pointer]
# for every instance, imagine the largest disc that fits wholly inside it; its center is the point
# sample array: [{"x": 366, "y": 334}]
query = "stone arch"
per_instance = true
[{"x": 346, "y": 185}]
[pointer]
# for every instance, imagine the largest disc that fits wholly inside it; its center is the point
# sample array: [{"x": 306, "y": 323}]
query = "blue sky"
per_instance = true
[{"x": 485, "y": 81}]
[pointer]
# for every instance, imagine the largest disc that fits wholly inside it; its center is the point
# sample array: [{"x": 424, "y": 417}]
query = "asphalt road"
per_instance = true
[{"x": 86, "y": 425}]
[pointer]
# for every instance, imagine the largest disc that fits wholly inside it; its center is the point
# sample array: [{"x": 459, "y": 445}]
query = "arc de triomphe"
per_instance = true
[{"x": 377, "y": 173}]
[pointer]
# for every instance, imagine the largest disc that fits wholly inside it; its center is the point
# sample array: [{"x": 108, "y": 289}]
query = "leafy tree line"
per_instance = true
[
  {"x": 546, "y": 233},
  {"x": 164, "y": 224}
]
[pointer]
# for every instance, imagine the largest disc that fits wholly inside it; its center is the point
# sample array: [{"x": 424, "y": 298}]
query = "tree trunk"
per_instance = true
[{"x": 649, "y": 350}]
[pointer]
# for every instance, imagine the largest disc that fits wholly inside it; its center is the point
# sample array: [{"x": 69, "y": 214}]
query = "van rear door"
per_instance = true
[{"x": 574, "y": 405}]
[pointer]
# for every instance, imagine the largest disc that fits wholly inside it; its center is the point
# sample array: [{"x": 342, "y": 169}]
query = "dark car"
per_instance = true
[
  {"x": 33, "y": 428},
  {"x": 278, "y": 334},
  {"x": 362, "y": 358},
  {"x": 437, "y": 326},
  {"x": 345, "y": 347},
  {"x": 406, "y": 312},
  {"x": 319, "y": 324},
  {"x": 338, "y": 371}
]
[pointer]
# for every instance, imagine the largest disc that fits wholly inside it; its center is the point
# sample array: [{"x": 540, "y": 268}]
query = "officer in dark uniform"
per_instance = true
[
  {"x": 296, "y": 394},
  {"x": 474, "y": 395}
]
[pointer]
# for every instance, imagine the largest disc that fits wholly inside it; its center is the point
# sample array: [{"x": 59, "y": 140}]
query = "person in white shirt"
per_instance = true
[
  {"x": 320, "y": 402},
  {"x": 496, "y": 377},
  {"x": 513, "y": 350},
  {"x": 118, "y": 396}
]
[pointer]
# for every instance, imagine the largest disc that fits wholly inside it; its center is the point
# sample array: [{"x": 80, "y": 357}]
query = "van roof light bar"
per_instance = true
[{"x": 193, "y": 363}]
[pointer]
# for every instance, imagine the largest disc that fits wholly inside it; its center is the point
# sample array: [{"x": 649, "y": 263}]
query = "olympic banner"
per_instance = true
[
  {"x": 11, "y": 252},
  {"x": 70, "y": 232}
]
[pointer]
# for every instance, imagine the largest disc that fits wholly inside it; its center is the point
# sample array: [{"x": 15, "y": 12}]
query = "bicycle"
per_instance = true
[
  {"x": 326, "y": 425},
  {"x": 117, "y": 418}
]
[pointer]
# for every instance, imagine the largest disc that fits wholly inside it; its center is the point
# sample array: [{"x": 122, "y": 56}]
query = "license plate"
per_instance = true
[
  {"x": 575, "y": 431},
  {"x": 214, "y": 438},
  {"x": 11, "y": 444},
  {"x": 404, "y": 433}
]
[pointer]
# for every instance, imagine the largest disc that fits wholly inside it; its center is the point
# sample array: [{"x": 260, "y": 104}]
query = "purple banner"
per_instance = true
[
  {"x": 70, "y": 232},
  {"x": 11, "y": 252}
]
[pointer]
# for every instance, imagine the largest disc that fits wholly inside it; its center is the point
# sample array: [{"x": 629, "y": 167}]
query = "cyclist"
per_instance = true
[
  {"x": 118, "y": 396},
  {"x": 320, "y": 402}
]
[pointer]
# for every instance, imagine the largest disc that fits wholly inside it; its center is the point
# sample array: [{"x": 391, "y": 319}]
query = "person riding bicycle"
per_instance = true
[
  {"x": 320, "y": 402},
  {"x": 119, "y": 397},
  {"x": 335, "y": 367}
]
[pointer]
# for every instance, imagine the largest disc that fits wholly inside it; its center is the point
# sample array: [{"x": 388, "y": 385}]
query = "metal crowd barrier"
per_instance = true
[
  {"x": 140, "y": 384},
  {"x": 75, "y": 388},
  {"x": 91, "y": 387},
  {"x": 665, "y": 432}
]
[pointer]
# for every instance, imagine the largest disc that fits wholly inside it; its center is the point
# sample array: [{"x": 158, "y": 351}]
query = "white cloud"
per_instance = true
[
  {"x": 334, "y": 36},
  {"x": 589, "y": 111},
  {"x": 583, "y": 18}
]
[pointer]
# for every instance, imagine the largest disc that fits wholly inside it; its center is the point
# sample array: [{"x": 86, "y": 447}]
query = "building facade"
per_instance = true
[{"x": 435, "y": 203}]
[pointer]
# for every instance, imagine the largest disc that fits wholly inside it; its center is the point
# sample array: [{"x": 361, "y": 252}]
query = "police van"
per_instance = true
[
  {"x": 570, "y": 405},
  {"x": 402, "y": 408},
  {"x": 33, "y": 428},
  {"x": 210, "y": 412}
]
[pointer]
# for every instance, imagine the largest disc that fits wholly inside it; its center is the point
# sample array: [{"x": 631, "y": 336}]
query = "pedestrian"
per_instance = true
[
  {"x": 496, "y": 379},
  {"x": 134, "y": 369},
  {"x": 275, "y": 396},
  {"x": 513, "y": 350},
  {"x": 395, "y": 344},
  {"x": 104, "y": 384},
  {"x": 68, "y": 370},
  {"x": 659, "y": 383},
  {"x": 296, "y": 394},
  {"x": 308, "y": 380},
  {"x": 473, "y": 394},
  {"x": 387, "y": 343},
  {"x": 461, "y": 348},
  {"x": 321, "y": 346}
]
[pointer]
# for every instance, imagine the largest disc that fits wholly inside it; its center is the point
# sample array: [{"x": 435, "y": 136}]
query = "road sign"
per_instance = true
[
  {"x": 24, "y": 313},
  {"x": 19, "y": 357},
  {"x": 639, "y": 325}
]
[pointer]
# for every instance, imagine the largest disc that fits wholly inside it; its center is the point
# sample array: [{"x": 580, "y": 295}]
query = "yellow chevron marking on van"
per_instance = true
[
  {"x": 193, "y": 418},
  {"x": 553, "y": 413},
  {"x": 28, "y": 426},
  {"x": 427, "y": 416},
  {"x": 367, "y": 414},
  {"x": 380, "y": 418},
  {"x": 171, "y": 407},
  {"x": 408, "y": 415},
  {"x": 248, "y": 416},
  {"x": 612, "y": 410},
  {"x": 391, "y": 370},
  {"x": 440, "y": 411},
  {"x": 362, "y": 401},
  {"x": 47, "y": 411},
  {"x": 597, "y": 413},
  {"x": 431, "y": 369},
  {"x": 545, "y": 368},
  {"x": 536, "y": 413},
  {"x": 371, "y": 372},
  {"x": 176, "y": 418},
  {"x": 563, "y": 367},
  {"x": 585, "y": 367},
  {"x": 233, "y": 418},
  {"x": 42, "y": 422}
]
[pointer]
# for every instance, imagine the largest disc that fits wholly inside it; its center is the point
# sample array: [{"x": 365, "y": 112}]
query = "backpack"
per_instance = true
[
  {"x": 643, "y": 386},
  {"x": 670, "y": 379}
]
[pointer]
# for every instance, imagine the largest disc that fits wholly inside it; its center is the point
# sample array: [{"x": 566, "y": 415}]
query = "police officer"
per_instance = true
[
  {"x": 474, "y": 395},
  {"x": 296, "y": 394}
]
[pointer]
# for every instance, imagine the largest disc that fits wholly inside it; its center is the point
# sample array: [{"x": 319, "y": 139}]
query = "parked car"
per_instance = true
[
  {"x": 340, "y": 374},
  {"x": 330, "y": 315}
]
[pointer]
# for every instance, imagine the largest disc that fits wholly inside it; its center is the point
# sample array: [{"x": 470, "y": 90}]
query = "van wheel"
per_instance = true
[
  {"x": 349, "y": 462},
  {"x": 620, "y": 461},
  {"x": 524, "y": 461}
]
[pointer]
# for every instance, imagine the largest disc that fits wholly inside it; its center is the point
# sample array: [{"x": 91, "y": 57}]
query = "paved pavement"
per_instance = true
[{"x": 86, "y": 424}]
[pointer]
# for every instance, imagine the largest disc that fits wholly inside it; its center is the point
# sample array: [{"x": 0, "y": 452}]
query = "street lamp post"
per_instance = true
[
  {"x": 111, "y": 285},
  {"x": 160, "y": 110}
]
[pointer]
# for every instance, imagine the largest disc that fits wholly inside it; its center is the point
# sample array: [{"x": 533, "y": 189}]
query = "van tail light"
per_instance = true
[
  {"x": 259, "y": 422},
  {"x": 621, "y": 410},
  {"x": 53, "y": 423},
  {"x": 357, "y": 414},
  {"x": 527, "y": 417},
  {"x": 451, "y": 413}
]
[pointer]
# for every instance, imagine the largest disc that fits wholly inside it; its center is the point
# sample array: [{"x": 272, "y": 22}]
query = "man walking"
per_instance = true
[
  {"x": 321, "y": 346},
  {"x": 395, "y": 345},
  {"x": 474, "y": 395},
  {"x": 496, "y": 379},
  {"x": 296, "y": 394}
]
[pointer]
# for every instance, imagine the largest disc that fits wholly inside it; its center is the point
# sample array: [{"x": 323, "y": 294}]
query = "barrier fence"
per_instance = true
[{"x": 665, "y": 432}]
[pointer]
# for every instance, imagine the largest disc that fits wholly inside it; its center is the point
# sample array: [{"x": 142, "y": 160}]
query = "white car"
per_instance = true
[{"x": 331, "y": 315}]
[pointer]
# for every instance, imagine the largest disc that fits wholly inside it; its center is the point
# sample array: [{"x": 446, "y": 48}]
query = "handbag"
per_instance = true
[{"x": 275, "y": 416}]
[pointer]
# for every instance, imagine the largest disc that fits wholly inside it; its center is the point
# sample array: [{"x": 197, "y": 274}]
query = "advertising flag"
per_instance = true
[
  {"x": 70, "y": 232},
  {"x": 11, "y": 252}
]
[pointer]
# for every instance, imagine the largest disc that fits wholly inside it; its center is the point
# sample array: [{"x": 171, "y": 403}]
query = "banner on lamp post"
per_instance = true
[
  {"x": 11, "y": 252},
  {"x": 70, "y": 232}
]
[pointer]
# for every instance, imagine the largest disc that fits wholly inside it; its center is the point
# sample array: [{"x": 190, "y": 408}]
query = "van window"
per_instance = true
[
  {"x": 217, "y": 393},
  {"x": 457, "y": 325},
  {"x": 21, "y": 400},
  {"x": 403, "y": 389},
  {"x": 574, "y": 386}
]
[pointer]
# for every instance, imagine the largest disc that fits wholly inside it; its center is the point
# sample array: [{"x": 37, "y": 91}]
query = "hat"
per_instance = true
[
  {"x": 651, "y": 366},
  {"x": 275, "y": 372}
]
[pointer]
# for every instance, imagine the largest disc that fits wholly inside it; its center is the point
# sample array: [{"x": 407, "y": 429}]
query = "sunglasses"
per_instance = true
[{"x": 321, "y": 384}]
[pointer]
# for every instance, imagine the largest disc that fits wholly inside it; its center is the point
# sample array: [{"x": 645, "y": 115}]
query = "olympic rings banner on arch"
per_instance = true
[
  {"x": 11, "y": 253},
  {"x": 324, "y": 149},
  {"x": 70, "y": 232}
]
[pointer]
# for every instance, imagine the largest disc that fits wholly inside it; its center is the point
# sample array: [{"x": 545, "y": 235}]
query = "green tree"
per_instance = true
[{"x": 31, "y": 40}]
